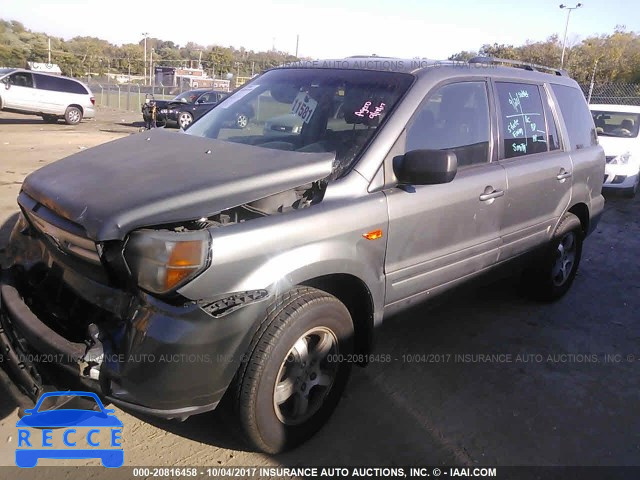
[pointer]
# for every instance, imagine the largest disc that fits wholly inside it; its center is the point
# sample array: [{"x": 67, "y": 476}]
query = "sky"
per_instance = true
[{"x": 327, "y": 28}]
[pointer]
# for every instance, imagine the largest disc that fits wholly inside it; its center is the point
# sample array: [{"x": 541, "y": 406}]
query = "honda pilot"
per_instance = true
[{"x": 170, "y": 272}]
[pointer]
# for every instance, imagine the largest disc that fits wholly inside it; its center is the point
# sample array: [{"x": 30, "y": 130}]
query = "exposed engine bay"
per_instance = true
[{"x": 294, "y": 199}]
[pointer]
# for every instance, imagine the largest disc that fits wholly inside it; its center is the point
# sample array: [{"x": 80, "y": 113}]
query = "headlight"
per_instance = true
[
  {"x": 162, "y": 261},
  {"x": 296, "y": 129},
  {"x": 621, "y": 159}
]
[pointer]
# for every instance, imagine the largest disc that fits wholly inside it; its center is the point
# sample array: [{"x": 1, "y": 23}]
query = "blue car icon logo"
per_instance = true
[{"x": 33, "y": 446}]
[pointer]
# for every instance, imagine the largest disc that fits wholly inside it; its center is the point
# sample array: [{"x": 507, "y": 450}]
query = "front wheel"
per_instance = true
[
  {"x": 293, "y": 379},
  {"x": 553, "y": 274},
  {"x": 242, "y": 120},
  {"x": 50, "y": 118},
  {"x": 184, "y": 120}
]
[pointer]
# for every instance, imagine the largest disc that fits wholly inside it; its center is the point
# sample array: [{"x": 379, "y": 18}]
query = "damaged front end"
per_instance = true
[{"x": 75, "y": 313}]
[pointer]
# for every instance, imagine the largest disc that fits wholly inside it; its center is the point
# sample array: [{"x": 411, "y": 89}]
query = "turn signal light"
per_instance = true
[{"x": 373, "y": 234}]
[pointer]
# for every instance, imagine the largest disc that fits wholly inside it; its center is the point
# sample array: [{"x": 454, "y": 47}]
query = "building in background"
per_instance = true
[{"x": 188, "y": 78}]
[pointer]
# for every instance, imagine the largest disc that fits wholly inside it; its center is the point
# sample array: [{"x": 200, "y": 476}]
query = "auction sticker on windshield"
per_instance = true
[{"x": 304, "y": 106}]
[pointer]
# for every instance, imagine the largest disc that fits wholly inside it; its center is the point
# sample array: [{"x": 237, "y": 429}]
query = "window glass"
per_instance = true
[
  {"x": 58, "y": 84},
  {"x": 455, "y": 117},
  {"x": 576, "y": 115},
  {"x": 616, "y": 124},
  {"x": 522, "y": 119},
  {"x": 21, "y": 79},
  {"x": 71, "y": 86},
  {"x": 307, "y": 110},
  {"x": 210, "y": 97}
]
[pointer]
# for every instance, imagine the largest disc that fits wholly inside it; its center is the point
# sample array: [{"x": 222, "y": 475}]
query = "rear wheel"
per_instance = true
[
  {"x": 553, "y": 274},
  {"x": 292, "y": 380},
  {"x": 73, "y": 116}
]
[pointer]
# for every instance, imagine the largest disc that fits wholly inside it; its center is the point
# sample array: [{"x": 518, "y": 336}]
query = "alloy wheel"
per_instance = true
[{"x": 306, "y": 376}]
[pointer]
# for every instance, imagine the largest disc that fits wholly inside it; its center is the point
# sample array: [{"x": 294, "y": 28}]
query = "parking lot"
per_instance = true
[{"x": 487, "y": 378}]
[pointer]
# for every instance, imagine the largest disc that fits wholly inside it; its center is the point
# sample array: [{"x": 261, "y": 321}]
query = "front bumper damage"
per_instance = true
[{"x": 61, "y": 328}]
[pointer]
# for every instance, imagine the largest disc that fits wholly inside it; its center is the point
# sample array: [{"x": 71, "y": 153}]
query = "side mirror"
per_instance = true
[
  {"x": 7, "y": 84},
  {"x": 426, "y": 167}
]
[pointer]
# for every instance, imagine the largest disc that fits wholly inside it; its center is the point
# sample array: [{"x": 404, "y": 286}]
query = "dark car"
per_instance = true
[{"x": 189, "y": 106}]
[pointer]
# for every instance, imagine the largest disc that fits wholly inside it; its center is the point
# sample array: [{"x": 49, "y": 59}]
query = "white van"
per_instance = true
[
  {"x": 50, "y": 96},
  {"x": 617, "y": 127}
]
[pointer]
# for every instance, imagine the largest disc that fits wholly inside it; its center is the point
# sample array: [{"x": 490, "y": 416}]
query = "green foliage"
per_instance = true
[{"x": 616, "y": 57}]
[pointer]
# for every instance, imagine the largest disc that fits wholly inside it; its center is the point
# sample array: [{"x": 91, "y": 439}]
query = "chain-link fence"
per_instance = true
[
  {"x": 612, "y": 93},
  {"x": 129, "y": 96}
]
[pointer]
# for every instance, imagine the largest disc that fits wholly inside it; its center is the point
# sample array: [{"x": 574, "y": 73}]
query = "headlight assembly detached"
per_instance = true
[{"x": 162, "y": 261}]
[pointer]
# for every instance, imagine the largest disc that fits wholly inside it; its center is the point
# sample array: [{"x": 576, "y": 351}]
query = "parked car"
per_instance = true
[
  {"x": 266, "y": 263},
  {"x": 189, "y": 106},
  {"x": 53, "y": 97},
  {"x": 617, "y": 127}
]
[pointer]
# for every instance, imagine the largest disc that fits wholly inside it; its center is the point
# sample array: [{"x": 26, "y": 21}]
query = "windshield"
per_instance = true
[
  {"x": 187, "y": 97},
  {"x": 4, "y": 71},
  {"x": 307, "y": 110},
  {"x": 616, "y": 124}
]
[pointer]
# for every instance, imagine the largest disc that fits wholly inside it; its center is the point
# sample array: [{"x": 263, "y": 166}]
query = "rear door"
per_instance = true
[
  {"x": 442, "y": 233},
  {"x": 19, "y": 92},
  {"x": 539, "y": 171}
]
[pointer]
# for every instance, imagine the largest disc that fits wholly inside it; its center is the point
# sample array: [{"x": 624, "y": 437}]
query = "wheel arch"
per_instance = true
[
  {"x": 581, "y": 210},
  {"x": 79, "y": 107},
  {"x": 357, "y": 297}
]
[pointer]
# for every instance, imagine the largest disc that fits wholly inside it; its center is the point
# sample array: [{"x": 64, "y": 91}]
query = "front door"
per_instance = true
[{"x": 18, "y": 92}]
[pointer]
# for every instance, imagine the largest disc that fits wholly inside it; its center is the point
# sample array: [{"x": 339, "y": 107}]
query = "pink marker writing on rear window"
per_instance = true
[{"x": 364, "y": 111}]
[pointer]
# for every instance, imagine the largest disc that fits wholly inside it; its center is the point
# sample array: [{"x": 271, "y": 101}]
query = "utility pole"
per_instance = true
[
  {"x": 151, "y": 73},
  {"x": 297, "y": 43},
  {"x": 593, "y": 80},
  {"x": 566, "y": 28},
  {"x": 145, "y": 56},
  {"x": 200, "y": 60},
  {"x": 49, "y": 51}
]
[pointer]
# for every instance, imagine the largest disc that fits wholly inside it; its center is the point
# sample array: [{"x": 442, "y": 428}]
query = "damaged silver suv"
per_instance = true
[{"x": 165, "y": 271}]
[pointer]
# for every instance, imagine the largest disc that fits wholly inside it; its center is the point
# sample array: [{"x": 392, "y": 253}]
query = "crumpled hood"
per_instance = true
[{"x": 159, "y": 177}]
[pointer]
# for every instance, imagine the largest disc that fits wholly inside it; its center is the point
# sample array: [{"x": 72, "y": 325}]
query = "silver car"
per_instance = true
[
  {"x": 257, "y": 267},
  {"x": 52, "y": 97}
]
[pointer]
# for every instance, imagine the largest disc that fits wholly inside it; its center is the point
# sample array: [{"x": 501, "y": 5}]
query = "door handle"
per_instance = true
[
  {"x": 491, "y": 195},
  {"x": 563, "y": 175}
]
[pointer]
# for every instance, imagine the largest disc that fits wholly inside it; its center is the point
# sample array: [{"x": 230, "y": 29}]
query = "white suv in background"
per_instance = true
[
  {"x": 617, "y": 127},
  {"x": 50, "y": 96}
]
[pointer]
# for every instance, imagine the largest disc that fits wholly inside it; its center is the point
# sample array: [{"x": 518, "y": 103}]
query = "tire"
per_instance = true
[
  {"x": 50, "y": 118},
  {"x": 73, "y": 116},
  {"x": 184, "y": 120},
  {"x": 554, "y": 273},
  {"x": 242, "y": 121},
  {"x": 289, "y": 384}
]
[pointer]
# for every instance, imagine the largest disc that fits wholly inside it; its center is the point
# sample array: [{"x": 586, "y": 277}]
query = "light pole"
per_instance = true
[
  {"x": 566, "y": 27},
  {"x": 144, "y": 34}
]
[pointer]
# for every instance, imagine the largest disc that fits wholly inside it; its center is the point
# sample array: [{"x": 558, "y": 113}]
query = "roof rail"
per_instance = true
[{"x": 519, "y": 64}]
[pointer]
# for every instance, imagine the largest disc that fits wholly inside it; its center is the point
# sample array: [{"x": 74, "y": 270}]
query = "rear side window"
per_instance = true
[
  {"x": 576, "y": 115},
  {"x": 522, "y": 115},
  {"x": 455, "y": 117},
  {"x": 59, "y": 84}
]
